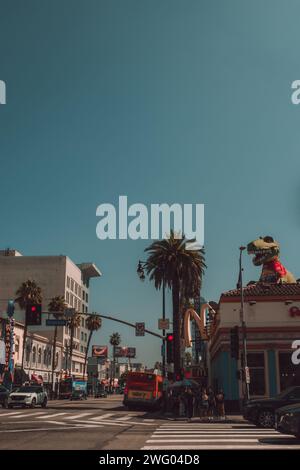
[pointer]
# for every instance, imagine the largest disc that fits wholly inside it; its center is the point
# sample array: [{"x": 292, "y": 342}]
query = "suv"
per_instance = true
[
  {"x": 262, "y": 412},
  {"x": 28, "y": 395},
  {"x": 4, "y": 393}
]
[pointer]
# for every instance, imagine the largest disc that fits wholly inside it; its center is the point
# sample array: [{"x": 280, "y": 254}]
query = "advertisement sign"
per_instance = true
[
  {"x": 125, "y": 351},
  {"x": 99, "y": 351},
  {"x": 163, "y": 324}
]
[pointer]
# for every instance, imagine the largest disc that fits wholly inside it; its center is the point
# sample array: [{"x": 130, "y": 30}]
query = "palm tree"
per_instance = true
[
  {"x": 93, "y": 323},
  {"x": 28, "y": 293},
  {"x": 115, "y": 340},
  {"x": 56, "y": 306},
  {"x": 73, "y": 323},
  {"x": 182, "y": 270}
]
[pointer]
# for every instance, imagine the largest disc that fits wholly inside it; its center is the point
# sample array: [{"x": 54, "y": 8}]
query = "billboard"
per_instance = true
[
  {"x": 99, "y": 351},
  {"x": 125, "y": 351}
]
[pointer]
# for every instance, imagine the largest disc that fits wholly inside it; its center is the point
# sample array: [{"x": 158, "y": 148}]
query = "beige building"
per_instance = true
[{"x": 57, "y": 276}]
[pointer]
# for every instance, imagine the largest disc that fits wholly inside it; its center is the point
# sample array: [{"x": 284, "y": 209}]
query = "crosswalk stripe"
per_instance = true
[
  {"x": 109, "y": 423},
  {"x": 30, "y": 414},
  {"x": 14, "y": 413},
  {"x": 125, "y": 418},
  {"x": 98, "y": 418},
  {"x": 81, "y": 415},
  {"x": 51, "y": 415},
  {"x": 219, "y": 447}
]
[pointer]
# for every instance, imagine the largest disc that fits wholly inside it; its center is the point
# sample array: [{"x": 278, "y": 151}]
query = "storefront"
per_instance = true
[{"x": 272, "y": 325}]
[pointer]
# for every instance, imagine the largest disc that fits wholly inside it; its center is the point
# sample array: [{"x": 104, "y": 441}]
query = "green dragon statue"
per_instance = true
[{"x": 266, "y": 251}]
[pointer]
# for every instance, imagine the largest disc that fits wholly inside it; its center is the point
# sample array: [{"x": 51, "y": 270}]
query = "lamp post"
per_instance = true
[
  {"x": 141, "y": 274},
  {"x": 243, "y": 324}
]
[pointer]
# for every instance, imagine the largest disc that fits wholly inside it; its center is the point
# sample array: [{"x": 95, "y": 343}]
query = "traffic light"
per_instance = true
[
  {"x": 10, "y": 308},
  {"x": 33, "y": 314},
  {"x": 234, "y": 342},
  {"x": 170, "y": 348}
]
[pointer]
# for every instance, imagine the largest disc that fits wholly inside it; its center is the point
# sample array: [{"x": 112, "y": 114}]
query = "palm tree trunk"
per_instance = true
[
  {"x": 24, "y": 343},
  {"x": 53, "y": 358},
  {"x": 86, "y": 353},
  {"x": 71, "y": 347},
  {"x": 114, "y": 364},
  {"x": 176, "y": 326}
]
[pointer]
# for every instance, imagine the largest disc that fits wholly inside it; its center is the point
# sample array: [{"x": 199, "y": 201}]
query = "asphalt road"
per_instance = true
[{"x": 104, "y": 424}]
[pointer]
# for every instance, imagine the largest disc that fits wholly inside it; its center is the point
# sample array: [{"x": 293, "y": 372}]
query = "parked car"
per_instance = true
[
  {"x": 262, "y": 412},
  {"x": 28, "y": 395},
  {"x": 287, "y": 420},
  {"x": 4, "y": 393}
]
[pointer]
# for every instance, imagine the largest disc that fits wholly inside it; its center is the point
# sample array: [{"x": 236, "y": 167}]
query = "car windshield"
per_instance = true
[{"x": 29, "y": 390}]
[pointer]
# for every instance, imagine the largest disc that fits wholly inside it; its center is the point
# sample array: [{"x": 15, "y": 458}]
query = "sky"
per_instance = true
[{"x": 163, "y": 101}]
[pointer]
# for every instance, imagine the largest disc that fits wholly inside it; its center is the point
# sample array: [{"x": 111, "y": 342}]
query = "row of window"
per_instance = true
[
  {"x": 38, "y": 356},
  {"x": 76, "y": 334},
  {"x": 76, "y": 288}
]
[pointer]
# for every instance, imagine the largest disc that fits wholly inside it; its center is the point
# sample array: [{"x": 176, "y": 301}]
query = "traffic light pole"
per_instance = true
[
  {"x": 164, "y": 331},
  {"x": 244, "y": 330}
]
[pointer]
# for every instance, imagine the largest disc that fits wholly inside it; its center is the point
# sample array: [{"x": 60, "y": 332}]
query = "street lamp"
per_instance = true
[
  {"x": 243, "y": 323},
  {"x": 141, "y": 274}
]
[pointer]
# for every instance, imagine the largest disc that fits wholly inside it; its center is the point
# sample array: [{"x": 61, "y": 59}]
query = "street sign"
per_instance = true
[
  {"x": 163, "y": 324},
  {"x": 69, "y": 312},
  {"x": 55, "y": 322},
  {"x": 247, "y": 374},
  {"x": 140, "y": 329}
]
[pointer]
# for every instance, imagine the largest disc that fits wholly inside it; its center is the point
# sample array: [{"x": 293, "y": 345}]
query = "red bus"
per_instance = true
[{"x": 143, "y": 390}]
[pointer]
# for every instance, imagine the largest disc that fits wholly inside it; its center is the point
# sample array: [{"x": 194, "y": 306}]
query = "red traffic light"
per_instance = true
[
  {"x": 170, "y": 337},
  {"x": 33, "y": 308}
]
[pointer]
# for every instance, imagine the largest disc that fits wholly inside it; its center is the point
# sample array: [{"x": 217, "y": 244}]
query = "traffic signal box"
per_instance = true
[
  {"x": 170, "y": 348},
  {"x": 234, "y": 342},
  {"x": 34, "y": 314}
]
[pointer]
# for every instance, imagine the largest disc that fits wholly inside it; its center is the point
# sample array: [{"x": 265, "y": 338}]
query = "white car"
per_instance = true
[{"x": 28, "y": 395}]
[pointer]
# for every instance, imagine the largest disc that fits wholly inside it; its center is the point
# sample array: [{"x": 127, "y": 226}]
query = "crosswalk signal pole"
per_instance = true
[{"x": 244, "y": 331}]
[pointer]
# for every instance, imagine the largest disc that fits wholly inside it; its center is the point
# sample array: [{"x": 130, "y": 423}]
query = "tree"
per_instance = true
[
  {"x": 73, "y": 323},
  {"x": 28, "y": 293},
  {"x": 56, "y": 306},
  {"x": 115, "y": 340},
  {"x": 93, "y": 323},
  {"x": 182, "y": 270}
]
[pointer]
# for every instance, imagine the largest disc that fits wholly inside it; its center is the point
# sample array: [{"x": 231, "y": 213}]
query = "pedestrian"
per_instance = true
[
  {"x": 189, "y": 403},
  {"x": 211, "y": 404},
  {"x": 220, "y": 401},
  {"x": 204, "y": 403},
  {"x": 198, "y": 402}
]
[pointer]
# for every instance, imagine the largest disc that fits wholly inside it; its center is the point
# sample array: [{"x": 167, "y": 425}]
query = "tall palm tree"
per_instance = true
[
  {"x": 73, "y": 323},
  {"x": 28, "y": 293},
  {"x": 56, "y": 306},
  {"x": 93, "y": 323},
  {"x": 182, "y": 270},
  {"x": 115, "y": 340}
]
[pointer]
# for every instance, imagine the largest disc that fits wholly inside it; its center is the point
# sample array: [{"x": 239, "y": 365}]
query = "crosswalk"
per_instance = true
[
  {"x": 195, "y": 435},
  {"x": 71, "y": 418}
]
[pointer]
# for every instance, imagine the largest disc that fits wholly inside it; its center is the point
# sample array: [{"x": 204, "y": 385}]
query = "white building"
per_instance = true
[{"x": 56, "y": 276}]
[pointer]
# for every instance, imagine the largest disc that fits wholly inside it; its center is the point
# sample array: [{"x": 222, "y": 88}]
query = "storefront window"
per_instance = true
[
  {"x": 256, "y": 364},
  {"x": 287, "y": 370}
]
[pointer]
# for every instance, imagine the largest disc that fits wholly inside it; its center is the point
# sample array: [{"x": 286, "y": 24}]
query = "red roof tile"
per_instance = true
[{"x": 266, "y": 290}]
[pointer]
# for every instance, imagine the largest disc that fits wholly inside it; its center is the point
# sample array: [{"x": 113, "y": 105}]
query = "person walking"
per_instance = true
[
  {"x": 189, "y": 403},
  {"x": 220, "y": 401},
  {"x": 211, "y": 404},
  {"x": 204, "y": 404},
  {"x": 198, "y": 402}
]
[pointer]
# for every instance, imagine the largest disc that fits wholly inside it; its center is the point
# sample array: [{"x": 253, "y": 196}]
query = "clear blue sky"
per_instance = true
[{"x": 161, "y": 100}]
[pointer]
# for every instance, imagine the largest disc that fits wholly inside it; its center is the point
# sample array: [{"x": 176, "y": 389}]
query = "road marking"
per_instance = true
[
  {"x": 98, "y": 418},
  {"x": 51, "y": 415},
  {"x": 30, "y": 414},
  {"x": 14, "y": 413},
  {"x": 108, "y": 423},
  {"x": 51, "y": 429},
  {"x": 153, "y": 441},
  {"x": 81, "y": 415},
  {"x": 220, "y": 447},
  {"x": 125, "y": 418}
]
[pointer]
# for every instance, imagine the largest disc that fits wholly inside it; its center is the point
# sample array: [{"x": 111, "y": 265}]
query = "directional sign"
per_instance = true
[
  {"x": 140, "y": 329},
  {"x": 247, "y": 374},
  {"x": 163, "y": 324},
  {"x": 56, "y": 322}
]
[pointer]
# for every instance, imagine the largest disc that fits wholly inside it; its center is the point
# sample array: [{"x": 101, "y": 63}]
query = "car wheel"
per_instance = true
[
  {"x": 33, "y": 403},
  {"x": 266, "y": 419},
  {"x": 44, "y": 404}
]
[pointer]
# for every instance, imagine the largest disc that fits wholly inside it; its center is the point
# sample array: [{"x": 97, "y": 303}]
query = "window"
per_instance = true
[
  {"x": 86, "y": 297},
  {"x": 287, "y": 370},
  {"x": 67, "y": 297},
  {"x": 81, "y": 336},
  {"x": 72, "y": 285},
  {"x": 68, "y": 281},
  {"x": 85, "y": 337},
  {"x": 83, "y": 294},
  {"x": 79, "y": 291},
  {"x": 76, "y": 288},
  {"x": 75, "y": 303},
  {"x": 256, "y": 364},
  {"x": 28, "y": 350},
  {"x": 34, "y": 354},
  {"x": 39, "y": 355},
  {"x": 45, "y": 357},
  {"x": 82, "y": 322}
]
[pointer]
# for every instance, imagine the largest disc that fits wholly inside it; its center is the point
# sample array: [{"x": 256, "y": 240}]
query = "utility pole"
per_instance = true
[{"x": 244, "y": 330}]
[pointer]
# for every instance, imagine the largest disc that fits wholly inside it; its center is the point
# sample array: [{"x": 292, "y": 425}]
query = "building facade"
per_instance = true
[
  {"x": 272, "y": 325},
  {"x": 56, "y": 276}
]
